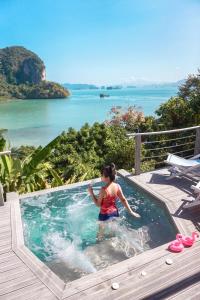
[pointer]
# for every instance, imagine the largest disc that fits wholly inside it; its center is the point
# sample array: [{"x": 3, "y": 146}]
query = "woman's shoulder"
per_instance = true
[
  {"x": 118, "y": 188},
  {"x": 116, "y": 185}
]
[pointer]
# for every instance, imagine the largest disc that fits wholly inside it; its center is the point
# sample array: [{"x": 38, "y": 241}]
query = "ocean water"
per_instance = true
[
  {"x": 61, "y": 228},
  {"x": 37, "y": 122}
]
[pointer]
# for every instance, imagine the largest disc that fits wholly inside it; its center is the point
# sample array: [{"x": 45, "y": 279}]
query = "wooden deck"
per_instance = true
[
  {"x": 17, "y": 281},
  {"x": 180, "y": 280},
  {"x": 175, "y": 193}
]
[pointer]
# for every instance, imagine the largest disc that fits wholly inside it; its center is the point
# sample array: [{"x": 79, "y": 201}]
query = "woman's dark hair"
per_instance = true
[{"x": 109, "y": 171}]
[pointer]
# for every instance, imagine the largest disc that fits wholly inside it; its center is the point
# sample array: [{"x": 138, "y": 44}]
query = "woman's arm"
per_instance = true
[
  {"x": 125, "y": 203},
  {"x": 97, "y": 200}
]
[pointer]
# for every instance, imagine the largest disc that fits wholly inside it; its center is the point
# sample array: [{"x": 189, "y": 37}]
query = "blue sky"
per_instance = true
[{"x": 106, "y": 41}]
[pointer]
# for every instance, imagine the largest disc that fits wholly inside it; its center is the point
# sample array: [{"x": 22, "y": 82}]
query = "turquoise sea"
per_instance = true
[{"x": 36, "y": 122}]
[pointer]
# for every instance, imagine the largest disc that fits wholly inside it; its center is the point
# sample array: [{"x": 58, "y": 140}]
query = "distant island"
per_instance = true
[
  {"x": 80, "y": 86},
  {"x": 141, "y": 84},
  {"x": 131, "y": 87},
  {"x": 23, "y": 76},
  {"x": 114, "y": 87}
]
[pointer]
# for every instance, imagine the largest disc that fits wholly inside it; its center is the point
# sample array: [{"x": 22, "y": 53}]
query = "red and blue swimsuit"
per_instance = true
[{"x": 108, "y": 206}]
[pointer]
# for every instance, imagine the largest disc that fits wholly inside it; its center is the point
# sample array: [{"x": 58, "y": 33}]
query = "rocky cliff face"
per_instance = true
[
  {"x": 19, "y": 65},
  {"x": 29, "y": 72},
  {"x": 23, "y": 76}
]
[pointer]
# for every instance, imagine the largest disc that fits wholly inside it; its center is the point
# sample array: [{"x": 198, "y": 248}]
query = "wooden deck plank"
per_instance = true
[
  {"x": 5, "y": 242},
  {"x": 35, "y": 291},
  {"x": 11, "y": 264},
  {"x": 12, "y": 273},
  {"x": 161, "y": 282},
  {"x": 4, "y": 229},
  {"x": 4, "y": 210},
  {"x": 190, "y": 293},
  {"x": 21, "y": 281},
  {"x": 6, "y": 256},
  {"x": 5, "y": 215},
  {"x": 4, "y": 223},
  {"x": 5, "y": 249},
  {"x": 5, "y": 234}
]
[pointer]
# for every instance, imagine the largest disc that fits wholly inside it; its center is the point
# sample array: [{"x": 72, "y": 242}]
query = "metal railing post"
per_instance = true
[
  {"x": 197, "y": 142},
  {"x": 137, "y": 154},
  {"x": 1, "y": 195}
]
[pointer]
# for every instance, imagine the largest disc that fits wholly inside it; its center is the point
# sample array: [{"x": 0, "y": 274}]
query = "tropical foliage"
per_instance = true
[
  {"x": 30, "y": 174},
  {"x": 191, "y": 87},
  {"x": 2, "y": 140},
  {"x": 43, "y": 90},
  {"x": 175, "y": 113},
  {"x": 183, "y": 110},
  {"x": 81, "y": 154}
]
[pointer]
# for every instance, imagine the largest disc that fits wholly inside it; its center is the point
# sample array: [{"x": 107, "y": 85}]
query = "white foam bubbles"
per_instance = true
[
  {"x": 130, "y": 241},
  {"x": 34, "y": 201},
  {"x": 67, "y": 252}
]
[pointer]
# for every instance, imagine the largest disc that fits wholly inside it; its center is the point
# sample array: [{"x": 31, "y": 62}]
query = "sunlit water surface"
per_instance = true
[{"x": 37, "y": 122}]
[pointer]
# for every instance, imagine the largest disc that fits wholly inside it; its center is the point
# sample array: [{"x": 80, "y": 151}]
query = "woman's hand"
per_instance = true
[
  {"x": 90, "y": 190},
  {"x": 134, "y": 214}
]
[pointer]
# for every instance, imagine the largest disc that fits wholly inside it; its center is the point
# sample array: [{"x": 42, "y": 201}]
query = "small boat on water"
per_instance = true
[{"x": 103, "y": 95}]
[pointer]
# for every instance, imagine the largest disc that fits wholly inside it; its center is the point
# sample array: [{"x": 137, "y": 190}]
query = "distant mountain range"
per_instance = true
[
  {"x": 134, "y": 84},
  {"x": 166, "y": 84}
]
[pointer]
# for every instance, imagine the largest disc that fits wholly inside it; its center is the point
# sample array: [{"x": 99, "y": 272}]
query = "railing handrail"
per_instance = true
[
  {"x": 138, "y": 143},
  {"x": 162, "y": 132}
]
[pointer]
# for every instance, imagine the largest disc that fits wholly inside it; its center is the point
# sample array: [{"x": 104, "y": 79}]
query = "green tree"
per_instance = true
[
  {"x": 2, "y": 140},
  {"x": 191, "y": 87},
  {"x": 175, "y": 113},
  {"x": 81, "y": 154}
]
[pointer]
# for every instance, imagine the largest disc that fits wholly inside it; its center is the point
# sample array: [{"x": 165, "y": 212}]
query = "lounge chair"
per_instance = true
[
  {"x": 195, "y": 204},
  {"x": 196, "y": 189},
  {"x": 183, "y": 167}
]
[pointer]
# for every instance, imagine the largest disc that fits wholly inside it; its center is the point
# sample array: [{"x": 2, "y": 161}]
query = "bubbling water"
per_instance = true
[
  {"x": 67, "y": 252},
  {"x": 75, "y": 247},
  {"x": 129, "y": 240},
  {"x": 62, "y": 227}
]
